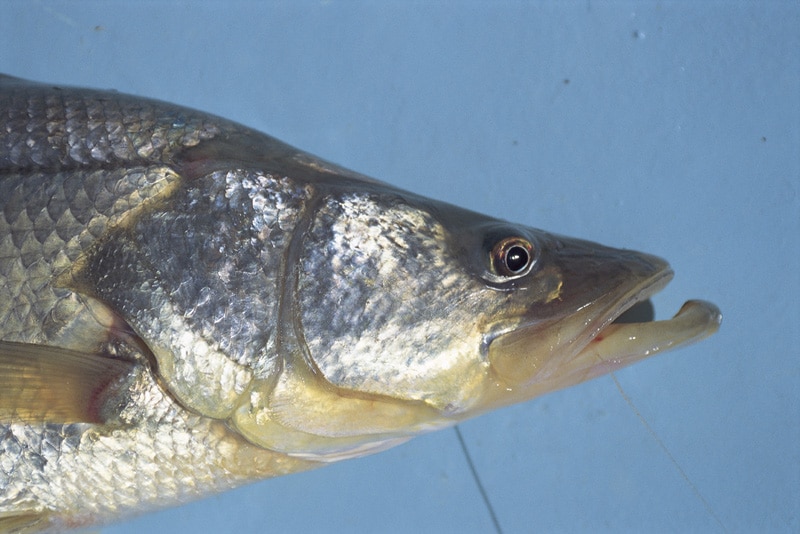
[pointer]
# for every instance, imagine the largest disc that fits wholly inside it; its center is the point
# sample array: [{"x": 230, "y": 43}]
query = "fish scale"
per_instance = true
[
  {"x": 188, "y": 305},
  {"x": 49, "y": 240},
  {"x": 50, "y": 128},
  {"x": 51, "y": 218}
]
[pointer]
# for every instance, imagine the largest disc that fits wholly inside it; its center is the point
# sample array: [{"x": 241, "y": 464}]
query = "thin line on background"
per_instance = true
[
  {"x": 478, "y": 482},
  {"x": 669, "y": 454}
]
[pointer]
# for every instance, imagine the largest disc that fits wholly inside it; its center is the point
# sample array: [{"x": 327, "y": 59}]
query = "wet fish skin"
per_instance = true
[
  {"x": 74, "y": 163},
  {"x": 192, "y": 305}
]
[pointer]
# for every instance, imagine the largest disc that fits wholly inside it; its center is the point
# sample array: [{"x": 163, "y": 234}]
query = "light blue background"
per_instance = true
[{"x": 668, "y": 127}]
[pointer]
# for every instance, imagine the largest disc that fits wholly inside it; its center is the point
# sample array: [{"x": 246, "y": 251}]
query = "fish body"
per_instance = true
[{"x": 187, "y": 305}]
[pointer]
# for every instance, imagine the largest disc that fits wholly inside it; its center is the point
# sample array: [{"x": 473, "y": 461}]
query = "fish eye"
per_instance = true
[{"x": 512, "y": 257}]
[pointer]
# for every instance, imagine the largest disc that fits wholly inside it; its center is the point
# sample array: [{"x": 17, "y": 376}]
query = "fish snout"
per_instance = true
[{"x": 591, "y": 285}]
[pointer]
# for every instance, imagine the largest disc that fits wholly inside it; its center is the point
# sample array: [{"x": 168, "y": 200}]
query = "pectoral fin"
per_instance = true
[
  {"x": 40, "y": 383},
  {"x": 23, "y": 523}
]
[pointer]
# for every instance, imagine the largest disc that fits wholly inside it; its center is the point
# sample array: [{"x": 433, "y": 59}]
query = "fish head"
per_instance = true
[{"x": 411, "y": 315}]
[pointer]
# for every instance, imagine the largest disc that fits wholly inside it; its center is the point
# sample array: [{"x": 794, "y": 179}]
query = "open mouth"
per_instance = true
[
  {"x": 596, "y": 338},
  {"x": 621, "y": 342}
]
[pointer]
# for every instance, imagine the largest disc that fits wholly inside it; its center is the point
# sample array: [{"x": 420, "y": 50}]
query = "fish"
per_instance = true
[{"x": 188, "y": 305}]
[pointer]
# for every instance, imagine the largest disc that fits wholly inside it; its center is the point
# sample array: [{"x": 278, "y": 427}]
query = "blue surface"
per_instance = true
[{"x": 672, "y": 128}]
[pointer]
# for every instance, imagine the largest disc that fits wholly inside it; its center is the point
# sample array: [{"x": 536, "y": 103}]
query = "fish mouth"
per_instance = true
[{"x": 587, "y": 339}]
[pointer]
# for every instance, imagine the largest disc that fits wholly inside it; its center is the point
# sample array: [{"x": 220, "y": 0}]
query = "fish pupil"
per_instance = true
[{"x": 517, "y": 258}]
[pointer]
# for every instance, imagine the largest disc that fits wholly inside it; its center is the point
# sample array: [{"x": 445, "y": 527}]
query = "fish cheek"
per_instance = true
[
  {"x": 383, "y": 302},
  {"x": 386, "y": 340}
]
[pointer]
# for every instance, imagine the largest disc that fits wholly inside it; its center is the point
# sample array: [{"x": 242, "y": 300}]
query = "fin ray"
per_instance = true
[
  {"x": 22, "y": 523},
  {"x": 42, "y": 383}
]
